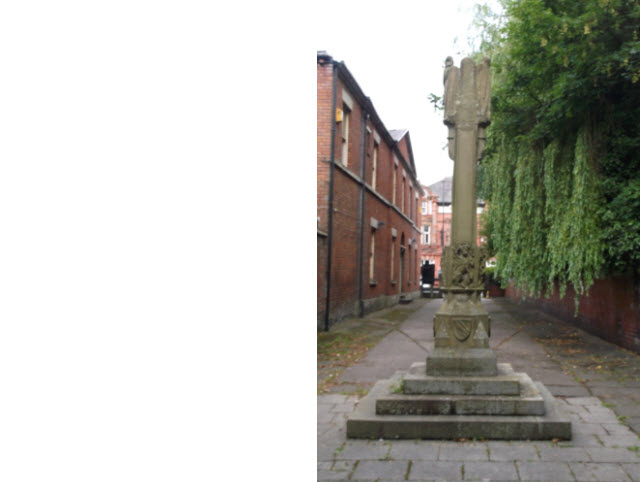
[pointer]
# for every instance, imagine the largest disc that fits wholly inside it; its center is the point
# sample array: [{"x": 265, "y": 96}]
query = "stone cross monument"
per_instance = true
[
  {"x": 462, "y": 392},
  {"x": 461, "y": 325}
]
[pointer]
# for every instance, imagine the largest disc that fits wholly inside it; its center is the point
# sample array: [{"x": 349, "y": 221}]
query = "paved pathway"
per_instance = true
[{"x": 597, "y": 382}]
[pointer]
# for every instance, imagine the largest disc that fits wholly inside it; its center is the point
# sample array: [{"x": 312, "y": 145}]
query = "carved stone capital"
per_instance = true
[{"x": 463, "y": 266}]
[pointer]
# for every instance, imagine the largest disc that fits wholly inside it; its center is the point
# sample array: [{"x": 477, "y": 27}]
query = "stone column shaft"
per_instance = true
[
  {"x": 461, "y": 325},
  {"x": 463, "y": 217}
]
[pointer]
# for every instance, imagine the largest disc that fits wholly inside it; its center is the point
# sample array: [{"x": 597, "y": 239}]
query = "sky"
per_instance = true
[{"x": 396, "y": 52}]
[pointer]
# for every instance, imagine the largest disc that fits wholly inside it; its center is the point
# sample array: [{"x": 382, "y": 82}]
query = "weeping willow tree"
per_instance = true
[{"x": 562, "y": 166}]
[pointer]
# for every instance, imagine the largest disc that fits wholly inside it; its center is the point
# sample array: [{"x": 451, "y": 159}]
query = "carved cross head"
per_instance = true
[{"x": 467, "y": 100}]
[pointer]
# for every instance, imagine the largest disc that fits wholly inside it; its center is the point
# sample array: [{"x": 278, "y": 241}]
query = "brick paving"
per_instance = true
[{"x": 600, "y": 402}]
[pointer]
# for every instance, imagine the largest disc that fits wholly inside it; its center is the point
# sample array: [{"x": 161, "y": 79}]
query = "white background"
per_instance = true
[{"x": 157, "y": 208}]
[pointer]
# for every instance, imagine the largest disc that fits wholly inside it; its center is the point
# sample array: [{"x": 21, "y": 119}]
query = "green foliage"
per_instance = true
[
  {"x": 436, "y": 101},
  {"x": 562, "y": 166},
  {"x": 622, "y": 226}
]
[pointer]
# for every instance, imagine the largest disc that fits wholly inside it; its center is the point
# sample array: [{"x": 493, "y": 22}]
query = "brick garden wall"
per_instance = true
[{"x": 610, "y": 311}]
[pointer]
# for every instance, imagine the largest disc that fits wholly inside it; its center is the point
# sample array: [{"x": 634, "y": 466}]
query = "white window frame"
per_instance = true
[
  {"x": 426, "y": 231},
  {"x": 411, "y": 201},
  {"x": 374, "y": 165},
  {"x": 393, "y": 251},
  {"x": 372, "y": 257},
  {"x": 404, "y": 180},
  {"x": 395, "y": 181},
  {"x": 346, "y": 114}
]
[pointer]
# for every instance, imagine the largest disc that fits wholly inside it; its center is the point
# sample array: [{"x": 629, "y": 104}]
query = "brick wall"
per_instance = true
[
  {"x": 344, "y": 288},
  {"x": 610, "y": 310},
  {"x": 433, "y": 250},
  {"x": 350, "y": 240},
  {"x": 323, "y": 145},
  {"x": 322, "y": 277}
]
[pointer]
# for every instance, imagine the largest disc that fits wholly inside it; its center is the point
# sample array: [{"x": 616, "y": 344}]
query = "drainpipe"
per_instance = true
[
  {"x": 363, "y": 157},
  {"x": 331, "y": 168}
]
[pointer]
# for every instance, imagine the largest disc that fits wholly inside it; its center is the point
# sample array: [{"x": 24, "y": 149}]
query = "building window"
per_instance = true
[
  {"x": 346, "y": 114},
  {"x": 410, "y": 266},
  {"x": 402, "y": 194},
  {"x": 427, "y": 234},
  {"x": 395, "y": 182},
  {"x": 372, "y": 256},
  {"x": 393, "y": 250},
  {"x": 411, "y": 201},
  {"x": 374, "y": 165},
  {"x": 424, "y": 207}
]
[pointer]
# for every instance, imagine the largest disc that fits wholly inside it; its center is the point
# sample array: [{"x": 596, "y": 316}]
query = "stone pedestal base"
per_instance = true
[
  {"x": 411, "y": 405},
  {"x": 507, "y": 394},
  {"x": 473, "y": 362}
]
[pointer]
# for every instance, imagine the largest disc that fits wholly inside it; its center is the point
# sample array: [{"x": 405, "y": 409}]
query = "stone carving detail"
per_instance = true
[
  {"x": 461, "y": 328},
  {"x": 463, "y": 266},
  {"x": 477, "y": 105},
  {"x": 480, "y": 333}
]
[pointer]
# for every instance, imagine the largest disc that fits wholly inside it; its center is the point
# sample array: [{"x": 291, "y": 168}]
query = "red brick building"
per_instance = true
[
  {"x": 435, "y": 221},
  {"x": 367, "y": 199}
]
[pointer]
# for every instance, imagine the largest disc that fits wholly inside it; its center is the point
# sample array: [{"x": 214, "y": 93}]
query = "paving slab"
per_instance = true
[
  {"x": 592, "y": 428},
  {"x": 422, "y": 470},
  {"x": 567, "y": 391},
  {"x": 363, "y": 450},
  {"x": 606, "y": 454},
  {"x": 335, "y": 470},
  {"x": 617, "y": 441},
  {"x": 464, "y": 452},
  {"x": 581, "y": 439},
  {"x": 377, "y": 469},
  {"x": 525, "y": 452},
  {"x": 490, "y": 471},
  {"x": 413, "y": 450},
  {"x": 602, "y": 471},
  {"x": 632, "y": 470},
  {"x": 557, "y": 471},
  {"x": 563, "y": 454}
]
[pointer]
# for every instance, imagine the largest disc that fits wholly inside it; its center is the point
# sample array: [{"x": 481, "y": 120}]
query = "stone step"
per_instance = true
[
  {"x": 451, "y": 362},
  {"x": 506, "y": 382},
  {"x": 527, "y": 402},
  {"x": 365, "y": 423}
]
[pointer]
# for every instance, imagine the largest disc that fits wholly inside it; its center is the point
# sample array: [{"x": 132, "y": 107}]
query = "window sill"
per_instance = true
[{"x": 373, "y": 282}]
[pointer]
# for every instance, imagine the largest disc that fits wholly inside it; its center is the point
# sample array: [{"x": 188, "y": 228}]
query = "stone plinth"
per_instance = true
[
  {"x": 531, "y": 415},
  {"x": 417, "y": 383},
  {"x": 507, "y": 394},
  {"x": 471, "y": 362}
]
